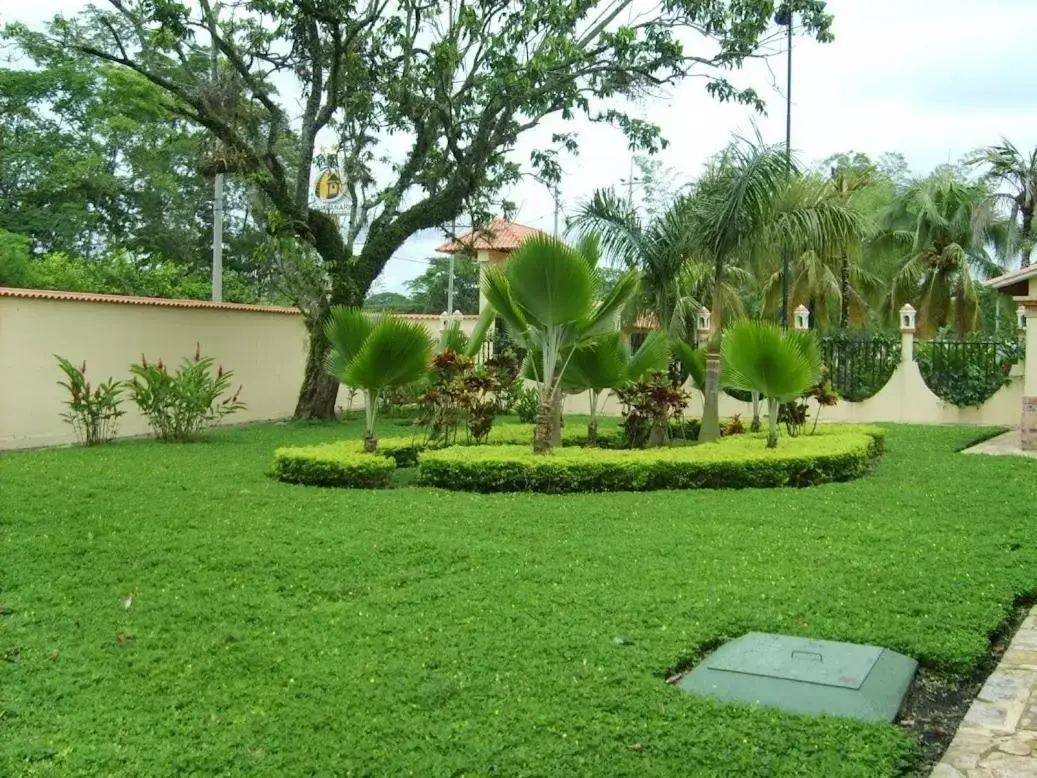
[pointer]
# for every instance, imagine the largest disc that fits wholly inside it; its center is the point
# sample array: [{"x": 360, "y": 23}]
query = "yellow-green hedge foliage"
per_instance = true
[
  {"x": 833, "y": 454},
  {"x": 332, "y": 464}
]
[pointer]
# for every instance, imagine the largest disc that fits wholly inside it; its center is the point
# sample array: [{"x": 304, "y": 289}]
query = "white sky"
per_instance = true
[{"x": 929, "y": 78}]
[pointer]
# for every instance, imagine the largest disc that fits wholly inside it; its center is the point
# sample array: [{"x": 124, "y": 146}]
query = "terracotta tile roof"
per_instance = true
[
  {"x": 163, "y": 302},
  {"x": 497, "y": 235}
]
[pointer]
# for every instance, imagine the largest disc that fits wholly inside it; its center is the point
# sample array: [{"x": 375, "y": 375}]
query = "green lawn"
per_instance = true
[{"x": 286, "y": 630}]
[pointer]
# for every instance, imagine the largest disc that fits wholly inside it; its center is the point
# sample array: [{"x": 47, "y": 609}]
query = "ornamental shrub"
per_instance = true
[
  {"x": 834, "y": 454},
  {"x": 92, "y": 410},
  {"x": 179, "y": 405},
  {"x": 967, "y": 371},
  {"x": 342, "y": 464}
]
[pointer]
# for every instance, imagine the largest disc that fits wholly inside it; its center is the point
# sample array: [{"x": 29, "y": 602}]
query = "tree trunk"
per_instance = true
[
  {"x": 754, "y": 425},
  {"x": 319, "y": 390},
  {"x": 592, "y": 423},
  {"x": 844, "y": 292},
  {"x": 370, "y": 413},
  {"x": 542, "y": 434},
  {"x": 710, "y": 427},
  {"x": 1027, "y": 242},
  {"x": 772, "y": 423},
  {"x": 556, "y": 418},
  {"x": 659, "y": 434}
]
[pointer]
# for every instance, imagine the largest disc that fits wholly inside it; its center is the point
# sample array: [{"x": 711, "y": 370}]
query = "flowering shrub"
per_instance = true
[
  {"x": 92, "y": 410},
  {"x": 179, "y": 405}
]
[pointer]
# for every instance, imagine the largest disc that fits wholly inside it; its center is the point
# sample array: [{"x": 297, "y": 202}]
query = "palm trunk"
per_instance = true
[
  {"x": 844, "y": 292},
  {"x": 1027, "y": 243},
  {"x": 660, "y": 434},
  {"x": 542, "y": 433},
  {"x": 370, "y": 412},
  {"x": 772, "y": 423},
  {"x": 556, "y": 417},
  {"x": 592, "y": 423},
  {"x": 710, "y": 428},
  {"x": 754, "y": 426}
]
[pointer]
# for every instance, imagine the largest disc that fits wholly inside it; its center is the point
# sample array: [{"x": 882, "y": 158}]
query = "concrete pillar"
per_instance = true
[
  {"x": 907, "y": 334},
  {"x": 1028, "y": 424}
]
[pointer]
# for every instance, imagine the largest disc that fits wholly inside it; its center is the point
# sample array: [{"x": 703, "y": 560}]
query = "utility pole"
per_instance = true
[
  {"x": 630, "y": 181},
  {"x": 557, "y": 207},
  {"x": 217, "y": 194},
  {"x": 784, "y": 18},
  {"x": 450, "y": 279}
]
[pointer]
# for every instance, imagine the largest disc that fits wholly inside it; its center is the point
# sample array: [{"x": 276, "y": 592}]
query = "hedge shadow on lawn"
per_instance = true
[{"x": 835, "y": 453}]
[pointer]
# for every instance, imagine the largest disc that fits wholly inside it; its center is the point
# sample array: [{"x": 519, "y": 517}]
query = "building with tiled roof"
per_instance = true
[{"x": 499, "y": 235}]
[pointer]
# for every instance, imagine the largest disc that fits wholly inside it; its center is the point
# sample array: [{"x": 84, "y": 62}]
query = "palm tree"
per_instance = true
[
  {"x": 373, "y": 354},
  {"x": 780, "y": 365},
  {"x": 1017, "y": 172},
  {"x": 606, "y": 363},
  {"x": 824, "y": 281},
  {"x": 548, "y": 295},
  {"x": 659, "y": 249},
  {"x": 749, "y": 204},
  {"x": 939, "y": 224}
]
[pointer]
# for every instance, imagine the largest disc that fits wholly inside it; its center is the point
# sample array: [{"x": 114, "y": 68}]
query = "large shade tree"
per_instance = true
[{"x": 426, "y": 100}]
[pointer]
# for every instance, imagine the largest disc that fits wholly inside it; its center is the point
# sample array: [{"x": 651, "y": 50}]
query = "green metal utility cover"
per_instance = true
[{"x": 806, "y": 676}]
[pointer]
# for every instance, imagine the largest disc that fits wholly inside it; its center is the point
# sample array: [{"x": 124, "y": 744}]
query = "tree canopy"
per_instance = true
[{"x": 426, "y": 101}]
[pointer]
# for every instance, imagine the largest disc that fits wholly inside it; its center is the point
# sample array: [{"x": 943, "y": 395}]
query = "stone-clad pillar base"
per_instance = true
[{"x": 1029, "y": 424}]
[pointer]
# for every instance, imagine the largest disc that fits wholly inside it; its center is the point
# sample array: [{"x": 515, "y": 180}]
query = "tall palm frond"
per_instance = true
[{"x": 374, "y": 354}]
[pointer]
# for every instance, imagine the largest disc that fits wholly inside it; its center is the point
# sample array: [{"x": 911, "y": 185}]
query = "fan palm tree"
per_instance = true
[
  {"x": 548, "y": 295},
  {"x": 779, "y": 365},
  {"x": 373, "y": 354},
  {"x": 749, "y": 204},
  {"x": 1006, "y": 166},
  {"x": 939, "y": 225},
  {"x": 606, "y": 363},
  {"x": 659, "y": 249}
]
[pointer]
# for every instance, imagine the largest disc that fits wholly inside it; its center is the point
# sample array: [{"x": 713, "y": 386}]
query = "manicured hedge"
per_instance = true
[
  {"x": 834, "y": 454},
  {"x": 332, "y": 464}
]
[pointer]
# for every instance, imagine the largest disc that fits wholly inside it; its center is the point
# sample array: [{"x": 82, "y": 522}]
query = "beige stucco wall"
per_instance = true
[
  {"x": 266, "y": 351},
  {"x": 905, "y": 398}
]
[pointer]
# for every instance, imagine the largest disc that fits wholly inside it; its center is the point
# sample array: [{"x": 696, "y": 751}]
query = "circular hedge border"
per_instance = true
[{"x": 832, "y": 454}]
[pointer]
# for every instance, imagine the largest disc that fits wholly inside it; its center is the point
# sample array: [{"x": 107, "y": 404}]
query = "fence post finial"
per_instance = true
[
  {"x": 802, "y": 314},
  {"x": 705, "y": 320},
  {"x": 907, "y": 318}
]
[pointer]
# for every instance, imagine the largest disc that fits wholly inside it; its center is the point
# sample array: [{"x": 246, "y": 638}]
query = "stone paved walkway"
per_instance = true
[
  {"x": 998, "y": 736},
  {"x": 1007, "y": 444}
]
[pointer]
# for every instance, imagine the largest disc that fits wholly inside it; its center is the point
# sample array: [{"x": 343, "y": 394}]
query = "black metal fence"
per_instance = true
[
  {"x": 860, "y": 363},
  {"x": 967, "y": 371}
]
